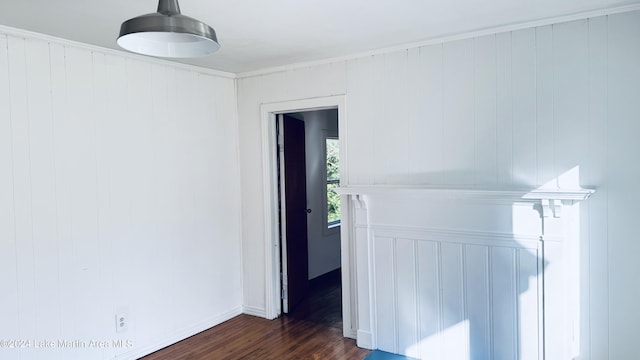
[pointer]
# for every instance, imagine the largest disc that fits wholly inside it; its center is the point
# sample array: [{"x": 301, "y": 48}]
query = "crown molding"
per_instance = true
[
  {"x": 444, "y": 39},
  {"x": 26, "y": 34},
  {"x": 270, "y": 70}
]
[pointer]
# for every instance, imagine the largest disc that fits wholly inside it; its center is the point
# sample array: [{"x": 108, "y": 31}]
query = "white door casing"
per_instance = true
[{"x": 271, "y": 230}]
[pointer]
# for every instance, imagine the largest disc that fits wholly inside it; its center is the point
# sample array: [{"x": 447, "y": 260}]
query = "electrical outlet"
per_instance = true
[{"x": 122, "y": 322}]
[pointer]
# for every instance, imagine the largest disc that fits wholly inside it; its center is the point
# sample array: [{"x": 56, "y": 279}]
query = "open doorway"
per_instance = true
[
  {"x": 309, "y": 213},
  {"x": 273, "y": 280}
]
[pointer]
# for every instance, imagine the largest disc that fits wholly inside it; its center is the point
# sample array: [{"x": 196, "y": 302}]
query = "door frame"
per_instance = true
[{"x": 268, "y": 114}]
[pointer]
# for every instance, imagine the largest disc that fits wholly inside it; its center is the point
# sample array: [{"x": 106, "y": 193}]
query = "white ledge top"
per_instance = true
[{"x": 577, "y": 194}]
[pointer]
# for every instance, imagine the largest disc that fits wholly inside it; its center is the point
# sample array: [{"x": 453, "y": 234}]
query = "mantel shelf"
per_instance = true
[{"x": 509, "y": 194}]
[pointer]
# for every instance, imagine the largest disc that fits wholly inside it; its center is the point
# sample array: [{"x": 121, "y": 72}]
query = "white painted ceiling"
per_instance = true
[{"x": 257, "y": 34}]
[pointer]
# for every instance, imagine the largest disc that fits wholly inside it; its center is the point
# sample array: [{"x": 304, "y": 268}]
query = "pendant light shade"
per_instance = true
[{"x": 168, "y": 33}]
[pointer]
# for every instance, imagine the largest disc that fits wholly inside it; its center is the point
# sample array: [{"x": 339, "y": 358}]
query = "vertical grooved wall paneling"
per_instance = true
[
  {"x": 385, "y": 290},
  {"x": 504, "y": 108},
  {"x": 594, "y": 258},
  {"x": 61, "y": 152},
  {"x": 253, "y": 248},
  {"x": 477, "y": 299},
  {"x": 523, "y": 87},
  {"x": 426, "y": 141},
  {"x": 81, "y": 166},
  {"x": 112, "y": 200},
  {"x": 458, "y": 105},
  {"x": 9, "y": 301},
  {"x": 43, "y": 189},
  {"x": 545, "y": 137},
  {"x": 571, "y": 89},
  {"x": 395, "y": 119},
  {"x": 429, "y": 304},
  {"x": 552, "y": 105},
  {"x": 360, "y": 80},
  {"x": 378, "y": 160},
  {"x": 485, "y": 102},
  {"x": 446, "y": 299},
  {"x": 622, "y": 182},
  {"x": 452, "y": 288},
  {"x": 407, "y": 297},
  {"x": 571, "y": 101},
  {"x": 22, "y": 195}
]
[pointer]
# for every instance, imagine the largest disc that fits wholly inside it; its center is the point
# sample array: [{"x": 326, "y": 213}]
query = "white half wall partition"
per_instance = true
[{"x": 465, "y": 274}]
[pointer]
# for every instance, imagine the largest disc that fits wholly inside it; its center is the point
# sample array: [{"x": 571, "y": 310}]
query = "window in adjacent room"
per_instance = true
[{"x": 332, "y": 160}]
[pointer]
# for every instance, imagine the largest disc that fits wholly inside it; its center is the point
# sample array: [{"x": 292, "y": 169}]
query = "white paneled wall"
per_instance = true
[
  {"x": 451, "y": 300},
  {"x": 119, "y": 193},
  {"x": 464, "y": 287},
  {"x": 623, "y": 178},
  {"x": 554, "y": 105}
]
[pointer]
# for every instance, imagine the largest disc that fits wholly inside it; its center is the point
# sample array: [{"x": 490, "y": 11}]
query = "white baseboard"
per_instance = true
[
  {"x": 365, "y": 340},
  {"x": 351, "y": 334},
  {"x": 254, "y": 310},
  {"x": 180, "y": 335}
]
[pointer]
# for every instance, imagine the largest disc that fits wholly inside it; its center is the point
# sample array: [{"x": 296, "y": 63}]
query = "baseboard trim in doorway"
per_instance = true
[{"x": 255, "y": 311}]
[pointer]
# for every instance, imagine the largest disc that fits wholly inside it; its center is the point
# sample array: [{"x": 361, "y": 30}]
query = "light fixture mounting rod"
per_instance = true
[{"x": 168, "y": 7}]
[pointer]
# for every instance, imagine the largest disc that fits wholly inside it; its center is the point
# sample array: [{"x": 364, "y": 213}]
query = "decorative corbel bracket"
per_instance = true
[
  {"x": 551, "y": 207},
  {"x": 359, "y": 201},
  {"x": 551, "y": 200}
]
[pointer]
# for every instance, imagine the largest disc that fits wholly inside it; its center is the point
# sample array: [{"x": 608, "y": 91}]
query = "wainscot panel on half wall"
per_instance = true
[{"x": 466, "y": 274}]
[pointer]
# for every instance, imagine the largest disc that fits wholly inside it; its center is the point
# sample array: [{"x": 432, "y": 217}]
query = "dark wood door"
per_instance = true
[{"x": 295, "y": 211}]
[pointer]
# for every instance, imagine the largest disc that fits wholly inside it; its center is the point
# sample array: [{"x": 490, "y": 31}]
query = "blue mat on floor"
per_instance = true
[{"x": 383, "y": 355}]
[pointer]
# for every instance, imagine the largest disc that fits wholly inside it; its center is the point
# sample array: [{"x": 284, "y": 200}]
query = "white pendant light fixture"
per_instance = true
[{"x": 168, "y": 33}]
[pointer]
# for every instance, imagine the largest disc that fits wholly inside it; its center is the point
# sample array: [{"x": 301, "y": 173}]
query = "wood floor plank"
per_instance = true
[{"x": 250, "y": 337}]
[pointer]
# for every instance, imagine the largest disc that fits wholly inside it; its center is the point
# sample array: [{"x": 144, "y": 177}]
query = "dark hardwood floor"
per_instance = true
[
  {"x": 313, "y": 330},
  {"x": 323, "y": 303}
]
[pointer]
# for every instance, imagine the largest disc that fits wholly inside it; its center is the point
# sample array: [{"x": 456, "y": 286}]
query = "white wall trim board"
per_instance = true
[
  {"x": 65, "y": 42},
  {"x": 445, "y": 39},
  {"x": 550, "y": 200},
  {"x": 254, "y": 310},
  {"x": 450, "y": 235},
  {"x": 181, "y": 335},
  {"x": 304, "y": 104},
  {"x": 507, "y": 194},
  {"x": 239, "y": 174},
  {"x": 426, "y": 233},
  {"x": 365, "y": 339}
]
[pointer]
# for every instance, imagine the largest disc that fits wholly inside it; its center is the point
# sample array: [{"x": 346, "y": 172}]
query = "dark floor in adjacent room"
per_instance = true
[
  {"x": 323, "y": 303},
  {"x": 312, "y": 331}
]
